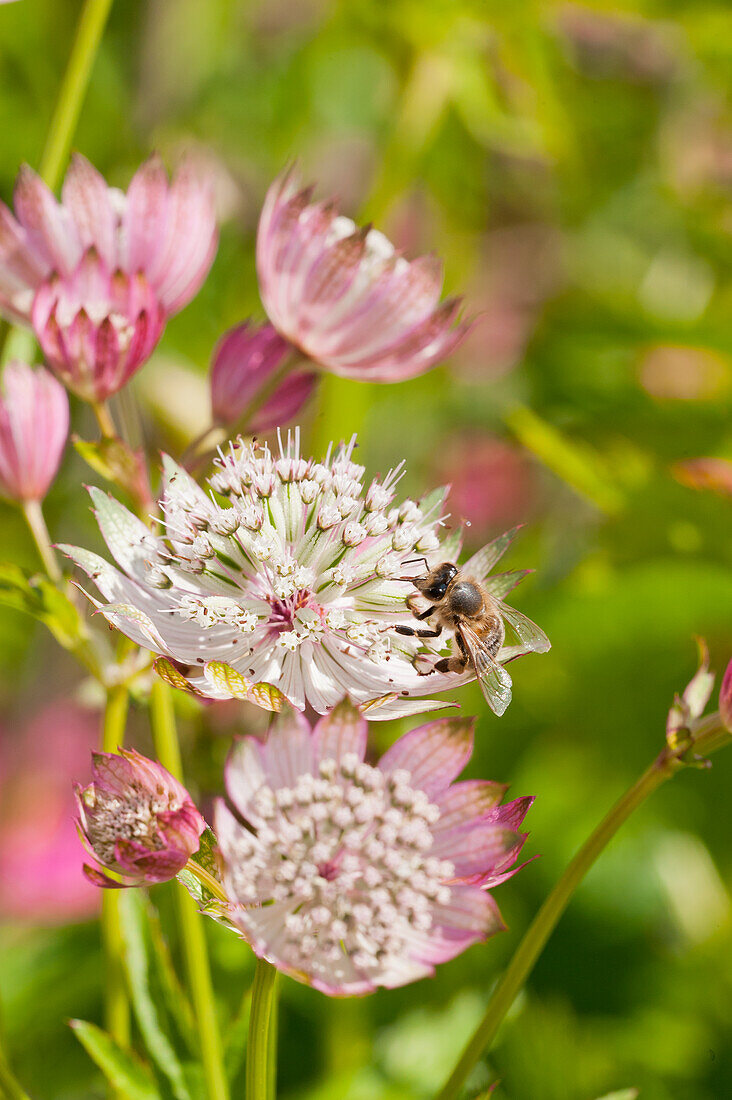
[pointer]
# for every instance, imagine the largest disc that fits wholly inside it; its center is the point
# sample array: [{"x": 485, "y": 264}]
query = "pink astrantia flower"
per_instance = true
[
  {"x": 343, "y": 295},
  {"x": 34, "y": 425},
  {"x": 95, "y": 328},
  {"x": 164, "y": 230},
  {"x": 299, "y": 579},
  {"x": 349, "y": 875},
  {"x": 244, "y": 361},
  {"x": 136, "y": 820}
]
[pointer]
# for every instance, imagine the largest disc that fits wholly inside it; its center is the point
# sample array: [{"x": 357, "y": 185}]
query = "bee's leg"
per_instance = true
[
  {"x": 456, "y": 663},
  {"x": 410, "y": 604},
  {"x": 422, "y": 615},
  {"x": 410, "y": 632},
  {"x": 451, "y": 664}
]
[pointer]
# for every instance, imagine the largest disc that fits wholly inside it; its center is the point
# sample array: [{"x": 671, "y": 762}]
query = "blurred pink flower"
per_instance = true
[
  {"x": 40, "y": 860},
  {"x": 350, "y": 876},
  {"x": 689, "y": 706},
  {"x": 164, "y": 230},
  {"x": 714, "y": 474},
  {"x": 136, "y": 820},
  {"x": 725, "y": 697},
  {"x": 343, "y": 295},
  {"x": 244, "y": 361},
  {"x": 490, "y": 481},
  {"x": 34, "y": 425}
]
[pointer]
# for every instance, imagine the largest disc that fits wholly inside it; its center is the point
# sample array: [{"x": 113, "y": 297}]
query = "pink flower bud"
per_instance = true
[
  {"x": 136, "y": 820},
  {"x": 244, "y": 361},
  {"x": 34, "y": 424},
  {"x": 725, "y": 698},
  {"x": 344, "y": 296},
  {"x": 97, "y": 328}
]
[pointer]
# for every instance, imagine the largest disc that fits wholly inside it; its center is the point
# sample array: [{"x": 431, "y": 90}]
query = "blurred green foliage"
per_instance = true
[{"x": 573, "y": 165}]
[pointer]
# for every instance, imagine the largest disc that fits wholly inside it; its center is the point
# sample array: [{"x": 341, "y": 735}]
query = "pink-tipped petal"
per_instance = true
[
  {"x": 342, "y": 731},
  {"x": 433, "y": 754}
]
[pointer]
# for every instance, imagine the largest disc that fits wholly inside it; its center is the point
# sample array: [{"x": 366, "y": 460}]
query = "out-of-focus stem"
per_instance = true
[
  {"x": 37, "y": 525},
  {"x": 261, "y": 1059},
  {"x": 89, "y": 32},
  {"x": 710, "y": 735},
  {"x": 104, "y": 419},
  {"x": 116, "y": 1006},
  {"x": 20, "y": 344},
  {"x": 165, "y": 737}
]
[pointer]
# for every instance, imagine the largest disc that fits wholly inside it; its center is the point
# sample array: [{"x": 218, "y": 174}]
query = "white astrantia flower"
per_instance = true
[{"x": 289, "y": 573}]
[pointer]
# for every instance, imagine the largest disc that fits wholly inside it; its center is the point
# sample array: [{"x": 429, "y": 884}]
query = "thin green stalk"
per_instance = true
[
  {"x": 192, "y": 931},
  {"x": 104, "y": 419},
  {"x": 710, "y": 736},
  {"x": 261, "y": 1058},
  {"x": 10, "y": 1087},
  {"x": 89, "y": 33},
  {"x": 19, "y": 343},
  {"x": 116, "y": 1006},
  {"x": 37, "y": 525}
]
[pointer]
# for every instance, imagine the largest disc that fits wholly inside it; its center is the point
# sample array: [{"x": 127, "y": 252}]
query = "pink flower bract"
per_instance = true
[
  {"x": 164, "y": 229},
  {"x": 136, "y": 820},
  {"x": 350, "y": 876},
  {"x": 343, "y": 295},
  {"x": 34, "y": 425},
  {"x": 244, "y": 361}
]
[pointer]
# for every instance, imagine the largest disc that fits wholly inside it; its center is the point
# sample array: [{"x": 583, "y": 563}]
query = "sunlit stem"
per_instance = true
[
  {"x": 73, "y": 88},
  {"x": 193, "y": 938},
  {"x": 116, "y": 1003},
  {"x": 10, "y": 1088},
  {"x": 261, "y": 1057},
  {"x": 19, "y": 343},
  {"x": 104, "y": 419},
  {"x": 37, "y": 525},
  {"x": 709, "y": 736}
]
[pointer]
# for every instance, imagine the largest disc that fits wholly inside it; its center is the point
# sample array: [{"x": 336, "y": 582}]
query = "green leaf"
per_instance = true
[
  {"x": 118, "y": 463},
  {"x": 39, "y": 597},
  {"x": 150, "y": 1017},
  {"x": 176, "y": 998},
  {"x": 121, "y": 1068}
]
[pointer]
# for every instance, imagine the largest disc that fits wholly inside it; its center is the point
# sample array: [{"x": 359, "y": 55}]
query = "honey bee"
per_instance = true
[{"x": 467, "y": 602}]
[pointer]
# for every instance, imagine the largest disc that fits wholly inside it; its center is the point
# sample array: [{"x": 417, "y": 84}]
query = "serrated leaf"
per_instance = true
[
  {"x": 150, "y": 1018},
  {"x": 122, "y": 1069}
]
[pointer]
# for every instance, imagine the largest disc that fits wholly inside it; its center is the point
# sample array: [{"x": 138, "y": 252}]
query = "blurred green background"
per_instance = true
[{"x": 573, "y": 165}]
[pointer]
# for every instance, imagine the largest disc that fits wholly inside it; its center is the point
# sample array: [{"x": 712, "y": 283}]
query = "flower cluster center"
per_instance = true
[
  {"x": 344, "y": 856},
  {"x": 134, "y": 817}
]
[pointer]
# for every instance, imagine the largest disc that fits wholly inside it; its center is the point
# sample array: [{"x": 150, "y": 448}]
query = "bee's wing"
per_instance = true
[
  {"x": 500, "y": 584},
  {"x": 531, "y": 636},
  {"x": 495, "y": 683},
  {"x": 480, "y": 564}
]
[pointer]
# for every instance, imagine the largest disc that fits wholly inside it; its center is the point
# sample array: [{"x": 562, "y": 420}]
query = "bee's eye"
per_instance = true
[{"x": 436, "y": 591}]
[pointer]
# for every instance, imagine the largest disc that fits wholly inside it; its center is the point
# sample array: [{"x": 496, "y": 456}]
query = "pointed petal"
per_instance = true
[{"x": 433, "y": 754}]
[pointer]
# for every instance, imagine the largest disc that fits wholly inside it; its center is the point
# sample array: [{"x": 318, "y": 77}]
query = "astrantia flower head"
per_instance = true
[
  {"x": 344, "y": 296},
  {"x": 164, "y": 230},
  {"x": 244, "y": 362},
  {"x": 34, "y": 424},
  {"x": 292, "y": 574},
  {"x": 136, "y": 820},
  {"x": 350, "y": 876}
]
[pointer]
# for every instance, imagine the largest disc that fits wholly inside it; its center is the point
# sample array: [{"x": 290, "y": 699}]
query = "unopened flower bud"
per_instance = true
[
  {"x": 136, "y": 820},
  {"x": 34, "y": 424}
]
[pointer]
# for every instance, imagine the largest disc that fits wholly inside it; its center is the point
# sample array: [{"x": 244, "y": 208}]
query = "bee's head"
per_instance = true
[{"x": 434, "y": 584}]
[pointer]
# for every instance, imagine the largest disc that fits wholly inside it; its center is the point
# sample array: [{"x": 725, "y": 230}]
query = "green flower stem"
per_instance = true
[
  {"x": 10, "y": 1088},
  {"x": 710, "y": 735},
  {"x": 192, "y": 931},
  {"x": 37, "y": 525},
  {"x": 261, "y": 1057},
  {"x": 104, "y": 419},
  {"x": 89, "y": 32},
  {"x": 116, "y": 1006},
  {"x": 19, "y": 343}
]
